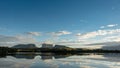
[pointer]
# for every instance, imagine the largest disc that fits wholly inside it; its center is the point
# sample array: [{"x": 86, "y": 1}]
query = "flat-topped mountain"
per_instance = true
[{"x": 25, "y": 46}]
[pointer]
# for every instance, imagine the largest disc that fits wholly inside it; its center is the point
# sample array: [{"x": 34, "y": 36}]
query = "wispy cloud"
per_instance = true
[
  {"x": 102, "y": 26},
  {"x": 99, "y": 33},
  {"x": 33, "y": 33},
  {"x": 12, "y": 40},
  {"x": 60, "y": 33},
  {"x": 78, "y": 34},
  {"x": 99, "y": 36},
  {"x": 109, "y": 26},
  {"x": 83, "y": 21},
  {"x": 112, "y": 25}
]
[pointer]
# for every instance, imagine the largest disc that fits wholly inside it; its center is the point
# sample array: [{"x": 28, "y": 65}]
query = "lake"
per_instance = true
[{"x": 49, "y": 60}]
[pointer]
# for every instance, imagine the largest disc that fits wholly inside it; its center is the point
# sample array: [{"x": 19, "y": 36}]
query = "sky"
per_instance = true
[{"x": 74, "y": 23}]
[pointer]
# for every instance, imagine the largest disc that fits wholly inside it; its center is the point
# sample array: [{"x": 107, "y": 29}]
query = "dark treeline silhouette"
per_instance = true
[
  {"x": 7, "y": 50},
  {"x": 76, "y": 50},
  {"x": 47, "y": 53}
]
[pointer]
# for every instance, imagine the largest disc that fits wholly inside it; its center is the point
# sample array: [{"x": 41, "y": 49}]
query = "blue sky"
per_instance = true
[{"x": 43, "y": 20}]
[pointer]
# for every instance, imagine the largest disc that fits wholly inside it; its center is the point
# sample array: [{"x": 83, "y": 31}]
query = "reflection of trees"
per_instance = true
[{"x": 32, "y": 55}]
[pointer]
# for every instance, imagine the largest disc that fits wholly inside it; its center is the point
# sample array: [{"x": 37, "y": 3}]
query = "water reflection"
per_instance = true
[
  {"x": 44, "y": 56},
  {"x": 51, "y": 60}
]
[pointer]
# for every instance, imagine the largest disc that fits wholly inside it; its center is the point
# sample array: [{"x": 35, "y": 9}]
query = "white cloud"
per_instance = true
[
  {"x": 99, "y": 36},
  {"x": 25, "y": 39},
  {"x": 33, "y": 33},
  {"x": 102, "y": 27},
  {"x": 112, "y": 25},
  {"x": 59, "y": 33},
  {"x": 109, "y": 26},
  {"x": 99, "y": 33},
  {"x": 115, "y": 38},
  {"x": 54, "y": 37}
]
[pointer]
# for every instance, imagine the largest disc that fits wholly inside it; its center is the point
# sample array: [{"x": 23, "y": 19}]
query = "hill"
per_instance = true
[{"x": 115, "y": 47}]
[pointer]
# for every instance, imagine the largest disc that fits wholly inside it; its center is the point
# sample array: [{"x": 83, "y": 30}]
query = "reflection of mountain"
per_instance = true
[
  {"x": 60, "y": 46},
  {"x": 60, "y": 56},
  {"x": 25, "y": 46},
  {"x": 25, "y": 56},
  {"x": 115, "y": 47},
  {"x": 44, "y": 56}
]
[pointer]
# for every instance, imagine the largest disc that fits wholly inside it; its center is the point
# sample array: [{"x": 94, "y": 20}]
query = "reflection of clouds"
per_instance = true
[
  {"x": 48, "y": 63},
  {"x": 90, "y": 62},
  {"x": 5, "y": 64},
  {"x": 85, "y": 67},
  {"x": 110, "y": 57},
  {"x": 11, "y": 62},
  {"x": 43, "y": 65},
  {"x": 84, "y": 61}
]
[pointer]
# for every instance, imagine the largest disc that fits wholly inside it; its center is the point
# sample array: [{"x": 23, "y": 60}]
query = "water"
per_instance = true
[{"x": 49, "y": 60}]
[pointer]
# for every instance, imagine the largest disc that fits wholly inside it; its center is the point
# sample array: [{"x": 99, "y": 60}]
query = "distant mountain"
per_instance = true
[
  {"x": 113, "y": 47},
  {"x": 108, "y": 45},
  {"x": 60, "y": 46},
  {"x": 25, "y": 46}
]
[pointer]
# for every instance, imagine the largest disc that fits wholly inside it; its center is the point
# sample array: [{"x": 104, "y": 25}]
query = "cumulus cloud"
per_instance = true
[
  {"x": 33, "y": 33},
  {"x": 109, "y": 26},
  {"x": 59, "y": 33}
]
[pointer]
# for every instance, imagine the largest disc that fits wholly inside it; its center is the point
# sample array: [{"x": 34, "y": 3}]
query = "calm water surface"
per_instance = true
[{"x": 48, "y": 60}]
